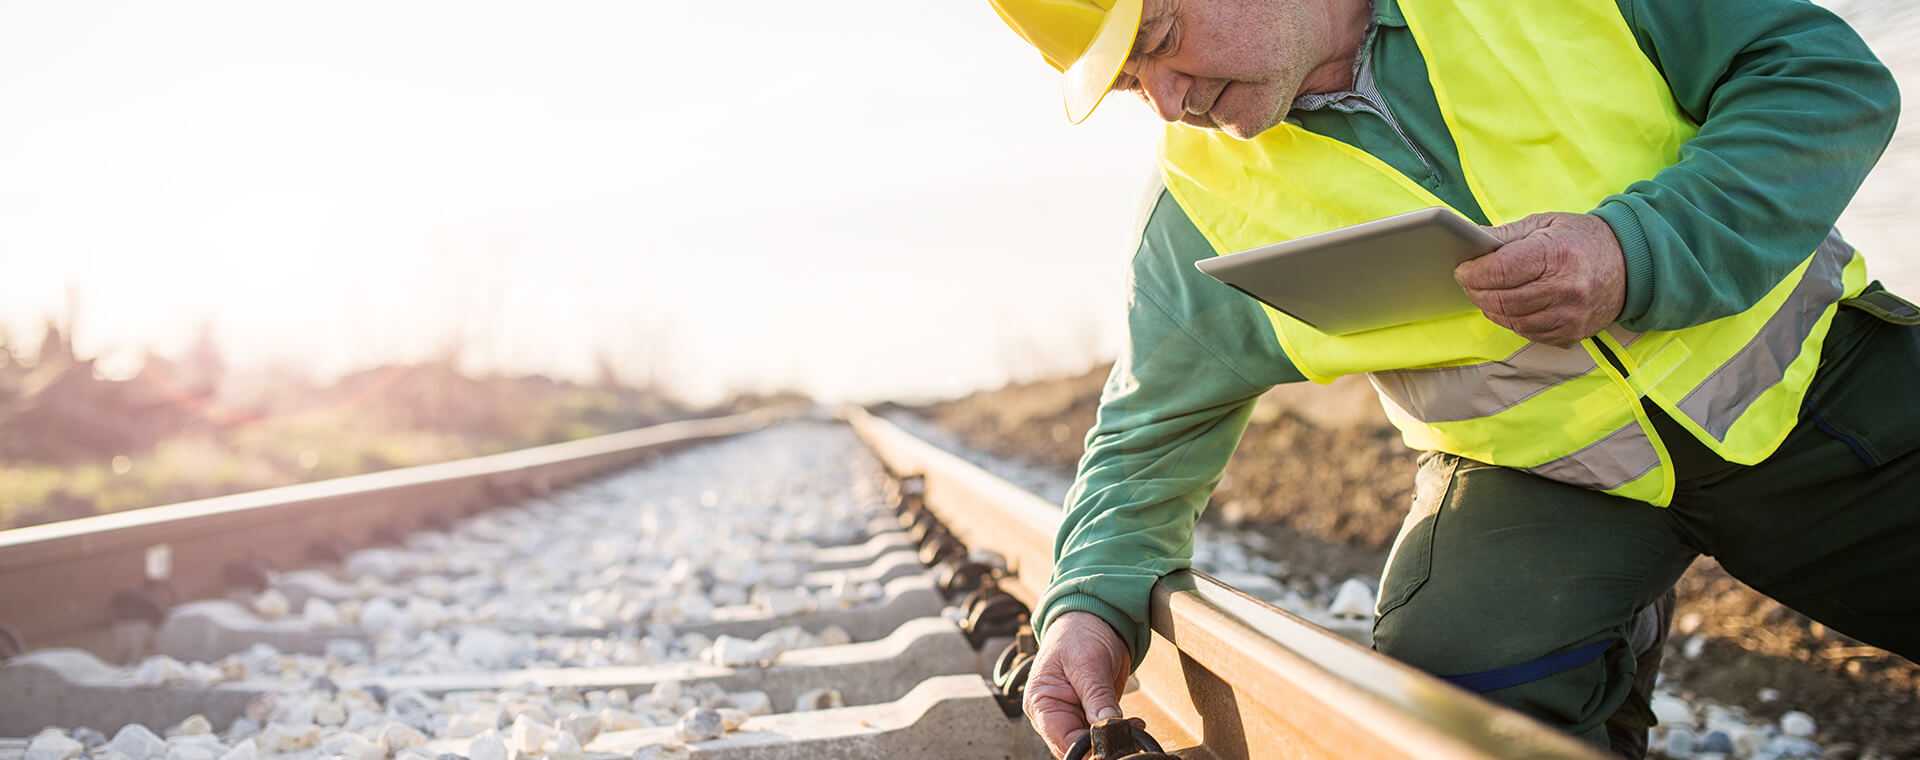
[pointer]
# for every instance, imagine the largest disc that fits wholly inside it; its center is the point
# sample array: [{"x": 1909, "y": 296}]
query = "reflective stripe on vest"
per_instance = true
[
  {"x": 1716, "y": 403},
  {"x": 1553, "y": 107}
]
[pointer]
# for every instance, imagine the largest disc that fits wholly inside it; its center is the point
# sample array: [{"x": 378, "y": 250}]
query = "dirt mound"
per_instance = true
[{"x": 1310, "y": 465}]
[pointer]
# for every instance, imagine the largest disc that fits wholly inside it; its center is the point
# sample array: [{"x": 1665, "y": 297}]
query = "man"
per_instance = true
[{"x": 1676, "y": 354}]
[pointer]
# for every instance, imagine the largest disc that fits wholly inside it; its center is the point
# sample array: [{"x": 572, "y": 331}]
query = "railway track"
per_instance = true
[{"x": 770, "y": 585}]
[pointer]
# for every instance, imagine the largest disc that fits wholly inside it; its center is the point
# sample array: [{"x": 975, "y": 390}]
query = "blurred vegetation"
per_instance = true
[{"x": 75, "y": 444}]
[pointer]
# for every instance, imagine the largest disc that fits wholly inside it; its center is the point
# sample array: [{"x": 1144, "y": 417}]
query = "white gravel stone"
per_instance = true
[
  {"x": 730, "y": 652},
  {"x": 833, "y": 636},
  {"x": 1747, "y": 740},
  {"x": 424, "y": 614},
  {"x": 583, "y": 727},
  {"x": 380, "y": 616},
  {"x": 698, "y": 725},
  {"x": 1354, "y": 601},
  {"x": 1792, "y": 747},
  {"x": 484, "y": 647},
  {"x": 352, "y": 746},
  {"x": 52, "y": 744},
  {"x": 278, "y": 739},
  {"x": 731, "y": 719},
  {"x": 138, "y": 743},
  {"x": 472, "y": 723},
  {"x": 1679, "y": 743},
  {"x": 349, "y": 610},
  {"x": 88, "y": 737},
  {"x": 246, "y": 750},
  {"x": 528, "y": 736},
  {"x": 1672, "y": 711},
  {"x": 487, "y": 746},
  {"x": 196, "y": 725},
  {"x": 321, "y": 613},
  {"x": 565, "y": 747},
  {"x": 295, "y": 712},
  {"x": 818, "y": 699},
  {"x": 693, "y": 607},
  {"x": 272, "y": 605},
  {"x": 348, "y": 651},
  {"x": 195, "y": 750},
  {"x": 1796, "y": 723},
  {"x": 397, "y": 736},
  {"x": 160, "y": 670},
  {"x": 784, "y": 602},
  {"x": 665, "y": 694},
  {"x": 329, "y": 714},
  {"x": 751, "y": 702},
  {"x": 612, "y": 719}
]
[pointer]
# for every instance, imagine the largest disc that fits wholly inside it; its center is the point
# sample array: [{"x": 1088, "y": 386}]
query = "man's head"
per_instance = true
[{"x": 1234, "y": 65}]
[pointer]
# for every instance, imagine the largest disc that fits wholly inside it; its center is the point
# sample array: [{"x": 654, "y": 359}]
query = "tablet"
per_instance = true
[{"x": 1386, "y": 272}]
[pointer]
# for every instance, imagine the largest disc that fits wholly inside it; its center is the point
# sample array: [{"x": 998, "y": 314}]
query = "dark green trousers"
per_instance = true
[{"x": 1531, "y": 591}]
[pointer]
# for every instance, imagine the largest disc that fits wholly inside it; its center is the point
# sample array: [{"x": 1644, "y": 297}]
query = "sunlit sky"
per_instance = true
[{"x": 860, "y": 199}]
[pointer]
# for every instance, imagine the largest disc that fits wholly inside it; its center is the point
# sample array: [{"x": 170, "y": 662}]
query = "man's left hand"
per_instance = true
[{"x": 1556, "y": 278}]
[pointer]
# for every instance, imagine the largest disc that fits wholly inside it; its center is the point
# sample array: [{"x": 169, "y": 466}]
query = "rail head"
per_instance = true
[
  {"x": 1228, "y": 675},
  {"x": 61, "y": 581}
]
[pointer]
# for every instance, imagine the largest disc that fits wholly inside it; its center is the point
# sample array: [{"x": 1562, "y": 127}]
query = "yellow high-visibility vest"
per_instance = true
[{"x": 1553, "y": 107}]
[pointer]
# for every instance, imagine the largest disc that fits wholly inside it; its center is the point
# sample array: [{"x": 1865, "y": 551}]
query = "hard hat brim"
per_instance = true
[{"x": 1092, "y": 75}]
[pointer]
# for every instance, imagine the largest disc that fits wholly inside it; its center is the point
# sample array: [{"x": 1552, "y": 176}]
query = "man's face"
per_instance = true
[{"x": 1234, "y": 65}]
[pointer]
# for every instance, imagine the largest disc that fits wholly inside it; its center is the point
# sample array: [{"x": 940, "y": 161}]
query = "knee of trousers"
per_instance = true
[{"x": 1573, "y": 685}]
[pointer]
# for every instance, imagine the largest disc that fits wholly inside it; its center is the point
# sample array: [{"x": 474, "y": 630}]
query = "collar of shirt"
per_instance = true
[{"x": 1365, "y": 94}]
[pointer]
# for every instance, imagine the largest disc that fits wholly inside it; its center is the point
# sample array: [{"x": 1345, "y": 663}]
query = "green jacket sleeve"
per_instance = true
[
  {"x": 1793, "y": 108},
  {"x": 1198, "y": 355}
]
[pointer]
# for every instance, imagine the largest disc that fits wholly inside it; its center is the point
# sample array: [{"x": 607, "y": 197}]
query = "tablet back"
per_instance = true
[{"x": 1386, "y": 272}]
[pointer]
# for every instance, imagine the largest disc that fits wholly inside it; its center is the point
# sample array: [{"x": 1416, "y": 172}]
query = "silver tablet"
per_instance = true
[{"x": 1386, "y": 272}]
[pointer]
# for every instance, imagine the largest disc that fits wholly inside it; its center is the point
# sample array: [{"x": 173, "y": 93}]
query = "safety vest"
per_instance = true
[{"x": 1552, "y": 107}]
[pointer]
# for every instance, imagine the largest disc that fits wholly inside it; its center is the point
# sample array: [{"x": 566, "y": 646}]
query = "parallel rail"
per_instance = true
[
  {"x": 68, "y": 583},
  {"x": 1228, "y": 676}
]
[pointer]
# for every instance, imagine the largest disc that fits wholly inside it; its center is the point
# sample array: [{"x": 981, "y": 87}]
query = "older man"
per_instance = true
[{"x": 1676, "y": 353}]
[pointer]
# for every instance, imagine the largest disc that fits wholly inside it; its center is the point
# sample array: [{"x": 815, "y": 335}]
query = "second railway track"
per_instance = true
[{"x": 753, "y": 587}]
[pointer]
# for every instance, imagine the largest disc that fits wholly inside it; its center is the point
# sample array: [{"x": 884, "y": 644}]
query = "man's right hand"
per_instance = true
[{"x": 1076, "y": 679}]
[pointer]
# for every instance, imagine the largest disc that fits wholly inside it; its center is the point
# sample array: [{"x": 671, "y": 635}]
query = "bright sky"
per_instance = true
[{"x": 864, "y": 198}]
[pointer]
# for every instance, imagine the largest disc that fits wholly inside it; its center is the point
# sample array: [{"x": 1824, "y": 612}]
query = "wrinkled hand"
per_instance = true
[
  {"x": 1077, "y": 676},
  {"x": 1556, "y": 278}
]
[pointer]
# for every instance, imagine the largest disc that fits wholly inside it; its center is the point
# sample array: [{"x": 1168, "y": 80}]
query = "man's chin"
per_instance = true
[
  {"x": 1249, "y": 126},
  {"x": 1245, "y": 129}
]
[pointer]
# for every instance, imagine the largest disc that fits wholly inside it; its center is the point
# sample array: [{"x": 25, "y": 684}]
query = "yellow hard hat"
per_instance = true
[{"x": 1088, "y": 40}]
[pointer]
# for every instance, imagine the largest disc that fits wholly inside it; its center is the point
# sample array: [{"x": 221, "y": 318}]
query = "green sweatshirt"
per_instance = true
[{"x": 1794, "y": 110}]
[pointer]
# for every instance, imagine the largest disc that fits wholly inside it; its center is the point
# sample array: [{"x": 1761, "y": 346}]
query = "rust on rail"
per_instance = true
[
  {"x": 1229, "y": 676},
  {"x": 68, "y": 583}
]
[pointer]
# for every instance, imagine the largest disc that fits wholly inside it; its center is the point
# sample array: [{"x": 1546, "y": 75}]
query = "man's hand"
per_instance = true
[
  {"x": 1076, "y": 679},
  {"x": 1556, "y": 278}
]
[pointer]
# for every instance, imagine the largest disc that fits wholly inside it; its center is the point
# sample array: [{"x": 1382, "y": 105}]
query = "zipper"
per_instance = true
[
  {"x": 1356, "y": 101},
  {"x": 1385, "y": 111},
  {"x": 1375, "y": 102}
]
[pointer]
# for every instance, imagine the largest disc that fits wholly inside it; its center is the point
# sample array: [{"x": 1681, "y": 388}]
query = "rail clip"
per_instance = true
[{"x": 1118, "y": 739}]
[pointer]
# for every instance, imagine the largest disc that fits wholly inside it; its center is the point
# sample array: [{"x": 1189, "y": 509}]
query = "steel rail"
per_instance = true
[
  {"x": 1228, "y": 676},
  {"x": 68, "y": 583}
]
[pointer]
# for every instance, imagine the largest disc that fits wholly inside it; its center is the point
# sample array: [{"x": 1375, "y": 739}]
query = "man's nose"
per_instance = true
[{"x": 1167, "y": 91}]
